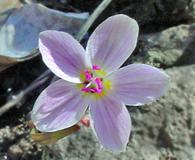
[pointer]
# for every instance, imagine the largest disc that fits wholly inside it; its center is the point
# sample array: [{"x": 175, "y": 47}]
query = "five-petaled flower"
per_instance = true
[{"x": 92, "y": 78}]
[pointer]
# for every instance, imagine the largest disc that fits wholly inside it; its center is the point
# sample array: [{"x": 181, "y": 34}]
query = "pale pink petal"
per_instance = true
[
  {"x": 138, "y": 84},
  {"x": 63, "y": 55},
  {"x": 59, "y": 106},
  {"x": 113, "y": 41},
  {"x": 111, "y": 123}
]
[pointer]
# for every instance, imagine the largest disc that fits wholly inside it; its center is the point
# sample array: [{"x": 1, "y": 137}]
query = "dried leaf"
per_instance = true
[{"x": 52, "y": 137}]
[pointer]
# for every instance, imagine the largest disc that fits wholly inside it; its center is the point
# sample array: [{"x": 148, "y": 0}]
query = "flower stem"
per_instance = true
[{"x": 92, "y": 18}]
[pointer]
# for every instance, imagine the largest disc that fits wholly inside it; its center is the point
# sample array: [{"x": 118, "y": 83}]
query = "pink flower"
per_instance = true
[{"x": 92, "y": 78}]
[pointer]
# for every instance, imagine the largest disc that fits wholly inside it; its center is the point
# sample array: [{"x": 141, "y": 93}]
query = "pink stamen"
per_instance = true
[
  {"x": 95, "y": 90},
  {"x": 99, "y": 83},
  {"x": 93, "y": 85},
  {"x": 96, "y": 67},
  {"x": 88, "y": 75},
  {"x": 98, "y": 90},
  {"x": 85, "y": 89}
]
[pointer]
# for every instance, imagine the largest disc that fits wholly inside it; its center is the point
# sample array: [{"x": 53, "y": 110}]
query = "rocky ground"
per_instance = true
[{"x": 164, "y": 130}]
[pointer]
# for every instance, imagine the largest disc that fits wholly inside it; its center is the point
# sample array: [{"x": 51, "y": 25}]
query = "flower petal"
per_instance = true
[
  {"x": 111, "y": 122},
  {"x": 63, "y": 55},
  {"x": 112, "y": 42},
  {"x": 138, "y": 84},
  {"x": 59, "y": 106}
]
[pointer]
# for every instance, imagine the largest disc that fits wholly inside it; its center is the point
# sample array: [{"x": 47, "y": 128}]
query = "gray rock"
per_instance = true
[
  {"x": 158, "y": 11},
  {"x": 153, "y": 15},
  {"x": 171, "y": 47},
  {"x": 169, "y": 124},
  {"x": 162, "y": 130},
  {"x": 15, "y": 144}
]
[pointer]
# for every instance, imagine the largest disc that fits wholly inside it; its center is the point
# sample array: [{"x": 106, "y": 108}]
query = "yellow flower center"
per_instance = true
[{"x": 93, "y": 82}]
